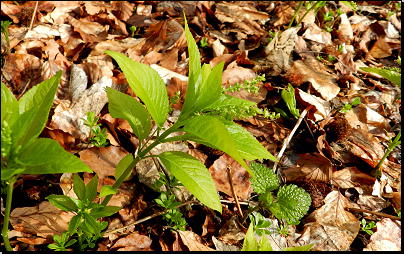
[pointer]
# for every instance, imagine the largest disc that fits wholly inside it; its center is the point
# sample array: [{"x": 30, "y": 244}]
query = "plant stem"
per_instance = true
[
  {"x": 250, "y": 211},
  {"x": 4, "y": 231},
  {"x": 296, "y": 12},
  {"x": 376, "y": 171}
]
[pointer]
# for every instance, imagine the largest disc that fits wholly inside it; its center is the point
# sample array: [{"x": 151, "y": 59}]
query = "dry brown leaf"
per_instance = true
[
  {"x": 321, "y": 107},
  {"x": 133, "y": 242},
  {"x": 43, "y": 220},
  {"x": 387, "y": 236},
  {"x": 345, "y": 27},
  {"x": 351, "y": 177},
  {"x": 331, "y": 227},
  {"x": 89, "y": 31},
  {"x": 315, "y": 33},
  {"x": 193, "y": 241},
  {"x": 314, "y": 167},
  {"x": 240, "y": 176},
  {"x": 231, "y": 232},
  {"x": 380, "y": 49},
  {"x": 316, "y": 73}
]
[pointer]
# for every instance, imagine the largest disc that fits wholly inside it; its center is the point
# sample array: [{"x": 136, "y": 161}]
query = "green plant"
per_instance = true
[
  {"x": 259, "y": 223},
  {"x": 21, "y": 150},
  {"x": 251, "y": 244},
  {"x": 348, "y": 106},
  {"x": 283, "y": 230},
  {"x": 61, "y": 242},
  {"x": 291, "y": 202},
  {"x": 97, "y": 136},
  {"x": 133, "y": 30},
  {"x": 376, "y": 171},
  {"x": 272, "y": 36},
  {"x": 311, "y": 5},
  {"x": 329, "y": 15},
  {"x": 196, "y": 122},
  {"x": 367, "y": 227},
  {"x": 350, "y": 4},
  {"x": 288, "y": 95},
  {"x": 204, "y": 43},
  {"x": 84, "y": 223},
  {"x": 4, "y": 27}
]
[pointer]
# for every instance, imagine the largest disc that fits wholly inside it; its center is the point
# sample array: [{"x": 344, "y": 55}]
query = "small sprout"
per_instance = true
[
  {"x": 204, "y": 43},
  {"x": 328, "y": 16},
  {"x": 367, "y": 227},
  {"x": 133, "y": 29}
]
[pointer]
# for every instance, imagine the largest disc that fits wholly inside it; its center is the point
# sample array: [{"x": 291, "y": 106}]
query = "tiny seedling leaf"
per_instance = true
[
  {"x": 128, "y": 108},
  {"x": 264, "y": 178},
  {"x": 194, "y": 176},
  {"x": 292, "y": 203}
]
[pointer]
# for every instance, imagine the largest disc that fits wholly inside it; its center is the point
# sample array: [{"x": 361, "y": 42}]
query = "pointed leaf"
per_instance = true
[
  {"x": 147, "y": 85},
  {"x": 105, "y": 211},
  {"x": 91, "y": 224},
  {"x": 91, "y": 189},
  {"x": 62, "y": 202},
  {"x": 37, "y": 103},
  {"x": 9, "y": 105},
  {"x": 247, "y": 145},
  {"x": 393, "y": 76},
  {"x": 264, "y": 244},
  {"x": 46, "y": 156},
  {"x": 212, "y": 131},
  {"x": 79, "y": 187},
  {"x": 107, "y": 190},
  {"x": 74, "y": 223},
  {"x": 128, "y": 108},
  {"x": 122, "y": 165},
  {"x": 194, "y": 176},
  {"x": 250, "y": 243},
  {"x": 226, "y": 101}
]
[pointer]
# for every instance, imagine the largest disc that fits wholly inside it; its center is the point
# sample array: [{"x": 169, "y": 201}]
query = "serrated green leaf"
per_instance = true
[
  {"x": 194, "y": 176},
  {"x": 63, "y": 202},
  {"x": 79, "y": 187},
  {"x": 128, "y": 108},
  {"x": 264, "y": 178},
  {"x": 393, "y": 76},
  {"x": 250, "y": 243},
  {"x": 215, "y": 134},
  {"x": 107, "y": 190},
  {"x": 147, "y": 85},
  {"x": 122, "y": 165},
  {"x": 194, "y": 77},
  {"x": 292, "y": 203},
  {"x": 9, "y": 105},
  {"x": 46, "y": 156},
  {"x": 248, "y": 146},
  {"x": 104, "y": 211},
  {"x": 34, "y": 107},
  {"x": 91, "y": 189}
]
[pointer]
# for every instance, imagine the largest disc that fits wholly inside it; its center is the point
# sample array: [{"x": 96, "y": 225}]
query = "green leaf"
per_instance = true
[
  {"x": 213, "y": 131},
  {"x": 91, "y": 224},
  {"x": 193, "y": 175},
  {"x": 63, "y": 202},
  {"x": 250, "y": 243},
  {"x": 34, "y": 107},
  {"x": 9, "y": 105},
  {"x": 289, "y": 96},
  {"x": 74, "y": 223},
  {"x": 247, "y": 145},
  {"x": 264, "y": 179},
  {"x": 122, "y": 165},
  {"x": 292, "y": 203},
  {"x": 194, "y": 77},
  {"x": 225, "y": 101},
  {"x": 393, "y": 76},
  {"x": 46, "y": 156},
  {"x": 147, "y": 85},
  {"x": 79, "y": 187},
  {"x": 104, "y": 211},
  {"x": 128, "y": 108},
  {"x": 91, "y": 189},
  {"x": 107, "y": 190},
  {"x": 211, "y": 88},
  {"x": 264, "y": 244}
]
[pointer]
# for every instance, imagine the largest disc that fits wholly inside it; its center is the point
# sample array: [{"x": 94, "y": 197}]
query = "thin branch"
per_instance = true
[
  {"x": 375, "y": 213},
  {"x": 233, "y": 191},
  {"x": 33, "y": 16}
]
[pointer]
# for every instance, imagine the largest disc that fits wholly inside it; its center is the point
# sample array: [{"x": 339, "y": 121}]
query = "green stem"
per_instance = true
[
  {"x": 376, "y": 171},
  {"x": 4, "y": 231},
  {"x": 296, "y": 12},
  {"x": 250, "y": 211}
]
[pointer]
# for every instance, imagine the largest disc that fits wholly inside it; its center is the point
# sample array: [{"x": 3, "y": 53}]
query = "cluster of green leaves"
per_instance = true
[
  {"x": 291, "y": 202},
  {"x": 288, "y": 95},
  {"x": 166, "y": 200},
  {"x": 204, "y": 43},
  {"x": 84, "y": 223},
  {"x": 367, "y": 227},
  {"x": 348, "y": 106},
  {"x": 98, "y": 137},
  {"x": 21, "y": 150}
]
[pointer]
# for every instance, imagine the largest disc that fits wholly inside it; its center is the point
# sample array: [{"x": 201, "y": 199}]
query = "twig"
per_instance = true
[
  {"x": 234, "y": 191},
  {"x": 33, "y": 16},
  {"x": 287, "y": 140},
  {"x": 375, "y": 213},
  {"x": 145, "y": 219}
]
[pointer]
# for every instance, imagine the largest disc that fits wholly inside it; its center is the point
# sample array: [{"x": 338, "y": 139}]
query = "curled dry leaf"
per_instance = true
[
  {"x": 351, "y": 177},
  {"x": 43, "y": 220},
  {"x": 380, "y": 49},
  {"x": 133, "y": 242},
  {"x": 193, "y": 241},
  {"x": 387, "y": 236}
]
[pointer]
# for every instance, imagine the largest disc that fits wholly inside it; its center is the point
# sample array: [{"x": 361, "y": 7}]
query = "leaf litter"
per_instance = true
[{"x": 71, "y": 37}]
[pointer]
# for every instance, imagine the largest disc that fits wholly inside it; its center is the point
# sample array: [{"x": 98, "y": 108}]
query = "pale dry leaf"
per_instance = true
[
  {"x": 387, "y": 236},
  {"x": 89, "y": 31},
  {"x": 351, "y": 177},
  {"x": 380, "y": 49},
  {"x": 123, "y": 10},
  {"x": 345, "y": 27},
  {"x": 223, "y": 247},
  {"x": 133, "y": 242},
  {"x": 218, "y": 48},
  {"x": 321, "y": 107},
  {"x": 316, "y": 34},
  {"x": 78, "y": 83},
  {"x": 42, "y": 32},
  {"x": 43, "y": 220},
  {"x": 193, "y": 241},
  {"x": 331, "y": 227}
]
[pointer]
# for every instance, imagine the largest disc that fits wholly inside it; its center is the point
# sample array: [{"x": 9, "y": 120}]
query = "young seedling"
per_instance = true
[
  {"x": 133, "y": 30},
  {"x": 348, "y": 106},
  {"x": 367, "y": 227},
  {"x": 97, "y": 136},
  {"x": 376, "y": 171},
  {"x": 288, "y": 95},
  {"x": 61, "y": 243},
  {"x": 204, "y": 43}
]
